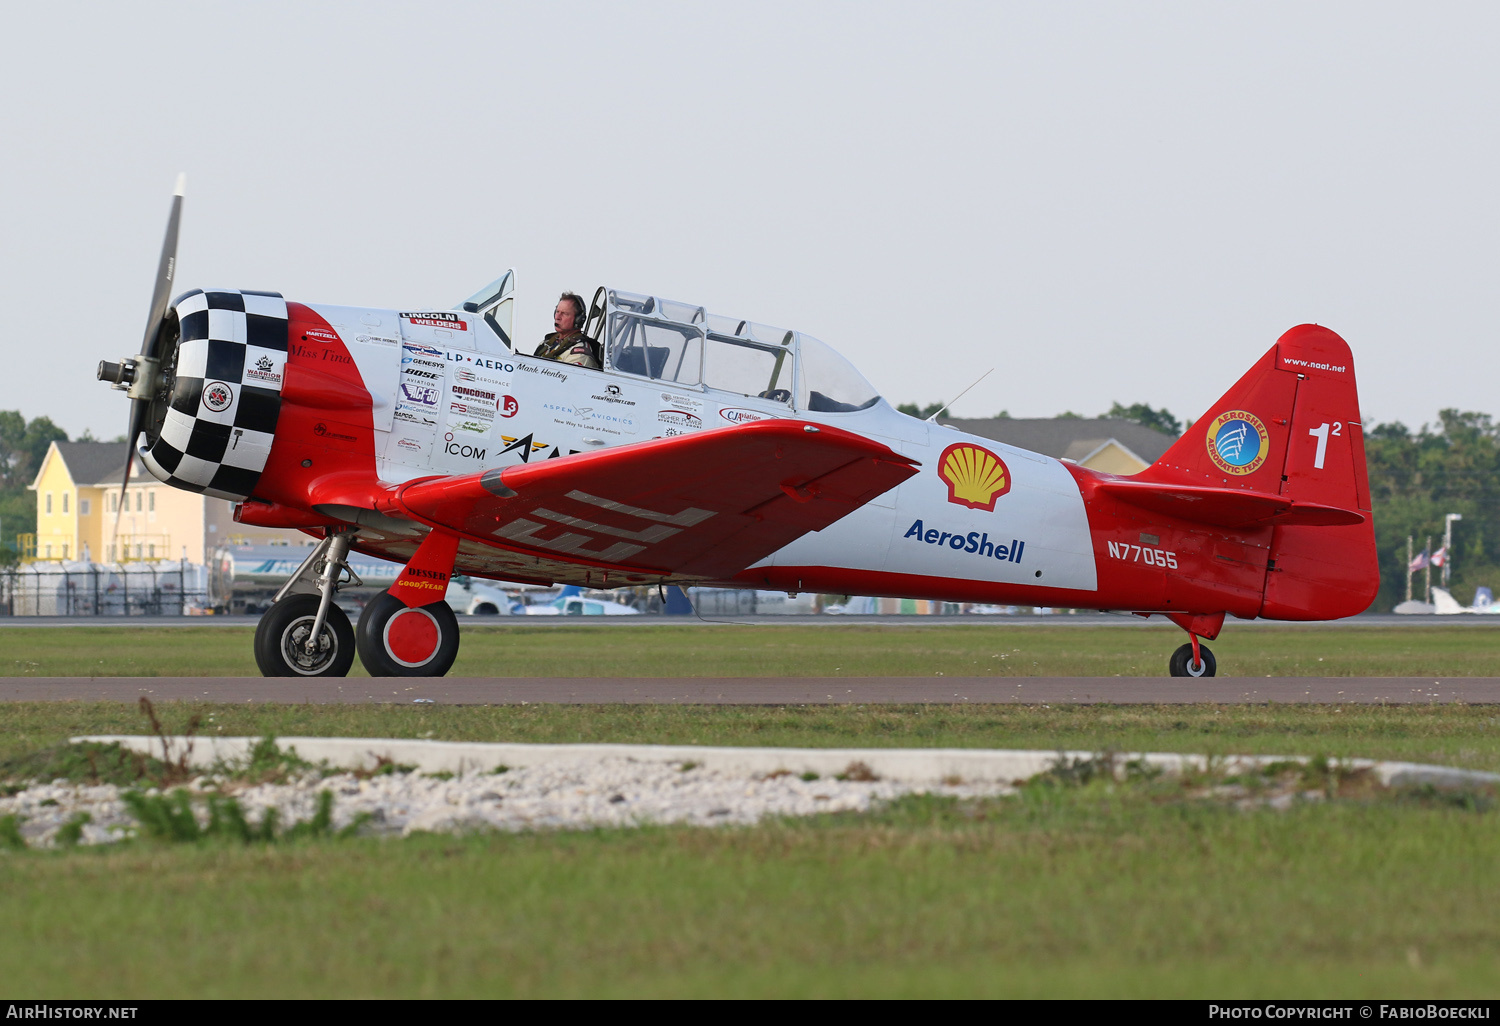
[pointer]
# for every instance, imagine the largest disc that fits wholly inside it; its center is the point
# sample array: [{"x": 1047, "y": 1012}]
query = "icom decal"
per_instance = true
[
  {"x": 974, "y": 543},
  {"x": 217, "y": 396},
  {"x": 1238, "y": 442},
  {"x": 438, "y": 319},
  {"x": 975, "y": 476},
  {"x": 464, "y": 449}
]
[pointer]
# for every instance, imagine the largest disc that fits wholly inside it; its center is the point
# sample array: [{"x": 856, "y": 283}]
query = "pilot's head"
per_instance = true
[{"x": 569, "y": 312}]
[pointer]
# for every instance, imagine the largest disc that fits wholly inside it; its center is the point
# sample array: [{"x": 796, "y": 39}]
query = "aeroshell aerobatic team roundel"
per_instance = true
[
  {"x": 975, "y": 476},
  {"x": 1238, "y": 442}
]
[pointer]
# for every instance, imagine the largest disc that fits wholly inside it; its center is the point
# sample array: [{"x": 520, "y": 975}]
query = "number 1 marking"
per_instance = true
[{"x": 1321, "y": 434}]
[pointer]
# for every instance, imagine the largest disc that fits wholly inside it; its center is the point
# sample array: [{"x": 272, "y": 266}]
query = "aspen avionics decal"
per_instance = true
[
  {"x": 1238, "y": 442},
  {"x": 437, "y": 319},
  {"x": 975, "y": 476}
]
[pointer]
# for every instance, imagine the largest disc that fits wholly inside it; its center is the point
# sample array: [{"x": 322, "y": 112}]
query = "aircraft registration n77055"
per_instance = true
[{"x": 712, "y": 450}]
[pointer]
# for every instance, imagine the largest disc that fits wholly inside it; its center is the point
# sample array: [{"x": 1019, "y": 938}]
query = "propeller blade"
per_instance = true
[
  {"x": 166, "y": 269},
  {"x": 138, "y": 409}
]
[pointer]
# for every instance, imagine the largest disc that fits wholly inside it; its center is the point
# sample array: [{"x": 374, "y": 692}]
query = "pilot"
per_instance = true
[{"x": 568, "y": 344}]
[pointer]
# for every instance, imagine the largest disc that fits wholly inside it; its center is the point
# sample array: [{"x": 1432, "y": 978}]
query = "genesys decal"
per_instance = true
[
  {"x": 407, "y": 360},
  {"x": 975, "y": 476},
  {"x": 1238, "y": 442},
  {"x": 974, "y": 543},
  {"x": 217, "y": 396},
  {"x": 437, "y": 319},
  {"x": 738, "y": 415}
]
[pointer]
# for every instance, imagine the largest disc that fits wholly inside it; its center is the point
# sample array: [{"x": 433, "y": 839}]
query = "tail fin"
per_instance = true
[{"x": 1291, "y": 426}]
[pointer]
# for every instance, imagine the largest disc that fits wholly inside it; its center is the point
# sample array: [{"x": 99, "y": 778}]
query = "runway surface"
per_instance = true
[
  {"x": 637, "y": 622},
  {"x": 759, "y": 690}
]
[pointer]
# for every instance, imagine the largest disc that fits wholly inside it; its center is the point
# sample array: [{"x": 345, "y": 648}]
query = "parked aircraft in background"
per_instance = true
[
  {"x": 713, "y": 450},
  {"x": 1444, "y": 604}
]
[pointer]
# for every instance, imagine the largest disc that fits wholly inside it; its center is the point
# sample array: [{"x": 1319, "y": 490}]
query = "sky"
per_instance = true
[{"x": 1101, "y": 201}]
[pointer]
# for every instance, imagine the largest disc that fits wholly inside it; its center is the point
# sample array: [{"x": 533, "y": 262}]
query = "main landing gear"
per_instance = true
[
  {"x": 304, "y": 634},
  {"x": 1194, "y": 659}
]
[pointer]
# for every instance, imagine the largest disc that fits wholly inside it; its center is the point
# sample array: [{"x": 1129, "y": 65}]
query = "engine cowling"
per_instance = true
[{"x": 213, "y": 419}]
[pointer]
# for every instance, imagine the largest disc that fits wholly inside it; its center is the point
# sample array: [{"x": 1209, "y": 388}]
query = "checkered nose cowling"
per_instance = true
[{"x": 226, "y": 396}]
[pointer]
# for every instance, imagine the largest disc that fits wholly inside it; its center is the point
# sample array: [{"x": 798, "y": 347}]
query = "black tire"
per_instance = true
[
  {"x": 281, "y": 638},
  {"x": 486, "y": 609},
  {"x": 374, "y": 639},
  {"x": 1181, "y": 664}
]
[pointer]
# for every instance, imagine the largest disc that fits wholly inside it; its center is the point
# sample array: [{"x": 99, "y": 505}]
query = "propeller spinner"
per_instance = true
[{"x": 140, "y": 376}]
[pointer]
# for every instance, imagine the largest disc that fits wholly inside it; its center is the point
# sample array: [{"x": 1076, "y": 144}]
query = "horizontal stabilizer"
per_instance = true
[
  {"x": 1227, "y": 507},
  {"x": 701, "y": 506}
]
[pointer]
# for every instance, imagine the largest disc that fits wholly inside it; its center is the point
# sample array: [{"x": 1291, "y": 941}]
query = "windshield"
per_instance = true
[{"x": 828, "y": 383}]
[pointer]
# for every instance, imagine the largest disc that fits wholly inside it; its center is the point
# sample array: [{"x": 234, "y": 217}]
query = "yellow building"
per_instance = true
[
  {"x": 1103, "y": 444},
  {"x": 77, "y": 491}
]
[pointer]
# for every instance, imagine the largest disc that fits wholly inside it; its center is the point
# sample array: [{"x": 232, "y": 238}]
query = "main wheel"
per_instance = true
[
  {"x": 281, "y": 640},
  {"x": 397, "y": 640},
  {"x": 1182, "y": 665}
]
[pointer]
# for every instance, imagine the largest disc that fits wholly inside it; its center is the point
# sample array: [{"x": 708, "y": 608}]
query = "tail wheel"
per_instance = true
[
  {"x": 397, "y": 640},
  {"x": 1182, "y": 662},
  {"x": 281, "y": 640}
]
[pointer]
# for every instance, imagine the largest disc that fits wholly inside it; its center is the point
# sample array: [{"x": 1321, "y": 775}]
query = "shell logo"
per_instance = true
[{"x": 975, "y": 476}]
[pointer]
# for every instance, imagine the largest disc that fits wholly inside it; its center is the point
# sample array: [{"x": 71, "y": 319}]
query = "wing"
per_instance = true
[
  {"x": 700, "y": 506},
  {"x": 1227, "y": 507}
]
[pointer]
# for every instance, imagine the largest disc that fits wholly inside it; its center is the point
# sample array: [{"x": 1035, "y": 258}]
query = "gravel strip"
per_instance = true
[{"x": 615, "y": 792}]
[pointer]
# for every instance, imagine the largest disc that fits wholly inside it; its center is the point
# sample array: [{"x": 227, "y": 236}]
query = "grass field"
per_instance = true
[
  {"x": 1099, "y": 891},
  {"x": 1131, "y": 890},
  {"x": 855, "y": 650}
]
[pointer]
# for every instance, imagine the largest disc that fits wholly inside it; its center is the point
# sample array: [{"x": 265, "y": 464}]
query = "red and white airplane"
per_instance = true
[{"x": 711, "y": 450}]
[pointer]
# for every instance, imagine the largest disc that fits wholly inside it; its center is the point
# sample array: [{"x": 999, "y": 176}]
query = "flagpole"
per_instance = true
[
  {"x": 1448, "y": 543},
  {"x": 1427, "y": 572},
  {"x": 1409, "y": 570}
]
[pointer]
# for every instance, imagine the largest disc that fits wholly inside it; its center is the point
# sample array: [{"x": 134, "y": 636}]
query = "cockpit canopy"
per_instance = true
[{"x": 685, "y": 345}]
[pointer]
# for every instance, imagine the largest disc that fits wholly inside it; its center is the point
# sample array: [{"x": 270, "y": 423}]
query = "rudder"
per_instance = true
[{"x": 1291, "y": 426}]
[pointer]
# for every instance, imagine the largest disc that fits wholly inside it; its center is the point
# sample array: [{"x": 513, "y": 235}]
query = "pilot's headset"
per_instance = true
[{"x": 580, "y": 309}]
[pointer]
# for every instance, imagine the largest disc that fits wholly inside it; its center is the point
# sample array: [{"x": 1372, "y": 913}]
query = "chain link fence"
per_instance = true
[{"x": 174, "y": 588}]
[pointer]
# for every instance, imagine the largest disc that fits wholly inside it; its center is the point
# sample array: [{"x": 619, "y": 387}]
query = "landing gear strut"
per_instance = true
[{"x": 306, "y": 635}]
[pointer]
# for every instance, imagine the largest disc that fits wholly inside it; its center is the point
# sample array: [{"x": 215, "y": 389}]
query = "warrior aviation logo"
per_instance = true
[
  {"x": 975, "y": 477},
  {"x": 1238, "y": 442},
  {"x": 217, "y": 396}
]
